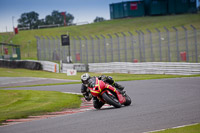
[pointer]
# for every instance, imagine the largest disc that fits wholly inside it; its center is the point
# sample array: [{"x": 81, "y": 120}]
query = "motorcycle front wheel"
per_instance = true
[
  {"x": 112, "y": 100},
  {"x": 128, "y": 100}
]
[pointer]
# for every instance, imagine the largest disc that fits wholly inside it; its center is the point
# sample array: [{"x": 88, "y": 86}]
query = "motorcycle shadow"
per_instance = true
[{"x": 109, "y": 107}]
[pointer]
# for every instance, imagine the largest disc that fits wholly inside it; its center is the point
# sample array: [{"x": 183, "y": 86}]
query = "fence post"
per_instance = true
[
  {"x": 44, "y": 48},
  {"x": 160, "y": 45},
  {"x": 49, "y": 49},
  {"x": 186, "y": 44},
  {"x": 93, "y": 56},
  {"x": 99, "y": 48},
  {"x": 143, "y": 46},
  {"x": 177, "y": 45},
  {"x": 132, "y": 45},
  {"x": 151, "y": 44},
  {"x": 139, "y": 45},
  {"x": 63, "y": 53},
  {"x": 118, "y": 46},
  {"x": 86, "y": 46},
  {"x": 111, "y": 43},
  {"x": 81, "y": 56},
  {"x": 59, "y": 43},
  {"x": 74, "y": 43},
  {"x": 54, "y": 48},
  {"x": 54, "y": 43},
  {"x": 168, "y": 39},
  {"x": 38, "y": 48},
  {"x": 104, "y": 40},
  {"x": 125, "y": 46},
  {"x": 195, "y": 40}
]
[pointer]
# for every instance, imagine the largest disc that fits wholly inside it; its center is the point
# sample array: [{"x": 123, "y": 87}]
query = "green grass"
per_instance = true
[
  {"x": 106, "y": 27},
  {"x": 5, "y": 36},
  {"x": 8, "y": 72},
  {"x": 187, "y": 129},
  {"x": 66, "y": 83},
  {"x": 23, "y": 103}
]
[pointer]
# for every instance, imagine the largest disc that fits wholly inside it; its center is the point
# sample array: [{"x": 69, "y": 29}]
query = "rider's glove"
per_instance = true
[
  {"x": 87, "y": 96},
  {"x": 103, "y": 78}
]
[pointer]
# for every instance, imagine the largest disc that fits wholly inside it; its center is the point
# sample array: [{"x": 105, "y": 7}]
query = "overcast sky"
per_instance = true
[{"x": 82, "y": 10}]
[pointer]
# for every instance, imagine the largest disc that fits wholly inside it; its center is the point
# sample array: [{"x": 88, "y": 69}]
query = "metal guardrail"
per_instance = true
[
  {"x": 173, "y": 68},
  {"x": 50, "y": 66}
]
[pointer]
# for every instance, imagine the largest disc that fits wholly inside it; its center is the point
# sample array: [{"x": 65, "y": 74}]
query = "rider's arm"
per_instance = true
[
  {"x": 107, "y": 79},
  {"x": 86, "y": 93}
]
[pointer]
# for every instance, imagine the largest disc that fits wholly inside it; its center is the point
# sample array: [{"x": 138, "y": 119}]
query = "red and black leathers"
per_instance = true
[{"x": 97, "y": 103}]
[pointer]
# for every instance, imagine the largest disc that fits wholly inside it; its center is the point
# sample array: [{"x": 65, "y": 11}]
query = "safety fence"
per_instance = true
[
  {"x": 50, "y": 66},
  {"x": 31, "y": 64},
  {"x": 158, "y": 45},
  {"x": 172, "y": 68}
]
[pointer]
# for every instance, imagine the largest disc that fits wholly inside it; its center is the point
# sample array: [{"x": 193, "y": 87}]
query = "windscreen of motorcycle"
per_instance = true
[{"x": 92, "y": 82}]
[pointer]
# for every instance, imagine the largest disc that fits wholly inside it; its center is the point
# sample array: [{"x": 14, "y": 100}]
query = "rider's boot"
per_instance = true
[
  {"x": 118, "y": 86},
  {"x": 96, "y": 103}
]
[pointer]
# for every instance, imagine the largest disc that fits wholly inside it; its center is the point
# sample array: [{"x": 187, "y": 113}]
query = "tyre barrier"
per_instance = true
[{"x": 21, "y": 64}]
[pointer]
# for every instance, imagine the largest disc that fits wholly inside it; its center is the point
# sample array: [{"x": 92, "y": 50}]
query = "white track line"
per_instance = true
[
  {"x": 171, "y": 128},
  {"x": 73, "y": 93}
]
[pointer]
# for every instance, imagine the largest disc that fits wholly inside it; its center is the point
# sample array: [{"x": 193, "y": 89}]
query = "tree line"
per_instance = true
[{"x": 32, "y": 21}]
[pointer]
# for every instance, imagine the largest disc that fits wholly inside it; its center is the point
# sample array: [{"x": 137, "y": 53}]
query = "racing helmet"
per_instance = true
[{"x": 84, "y": 78}]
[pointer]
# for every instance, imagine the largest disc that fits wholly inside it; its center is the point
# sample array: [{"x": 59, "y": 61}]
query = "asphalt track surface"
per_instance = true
[
  {"x": 22, "y": 81},
  {"x": 156, "y": 104}
]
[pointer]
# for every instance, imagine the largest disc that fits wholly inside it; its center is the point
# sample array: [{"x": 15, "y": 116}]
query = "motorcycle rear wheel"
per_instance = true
[{"x": 110, "y": 100}]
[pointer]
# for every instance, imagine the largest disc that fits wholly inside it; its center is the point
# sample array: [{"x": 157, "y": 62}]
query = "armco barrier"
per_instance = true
[
  {"x": 50, "y": 66},
  {"x": 77, "y": 66},
  {"x": 173, "y": 68},
  {"x": 31, "y": 64},
  {"x": 21, "y": 64}
]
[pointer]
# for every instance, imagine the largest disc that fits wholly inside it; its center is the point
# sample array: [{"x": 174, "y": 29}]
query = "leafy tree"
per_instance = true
[
  {"x": 57, "y": 18},
  {"x": 69, "y": 18},
  {"x": 29, "y": 19},
  {"x": 49, "y": 20},
  {"x": 40, "y": 22},
  {"x": 99, "y": 19}
]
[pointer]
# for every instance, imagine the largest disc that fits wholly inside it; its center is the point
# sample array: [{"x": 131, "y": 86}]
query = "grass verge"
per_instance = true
[
  {"x": 23, "y": 103},
  {"x": 8, "y": 72},
  {"x": 187, "y": 129},
  {"x": 41, "y": 85}
]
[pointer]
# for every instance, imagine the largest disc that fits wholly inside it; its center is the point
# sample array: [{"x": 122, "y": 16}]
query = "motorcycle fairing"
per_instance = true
[
  {"x": 96, "y": 89},
  {"x": 100, "y": 87},
  {"x": 119, "y": 95}
]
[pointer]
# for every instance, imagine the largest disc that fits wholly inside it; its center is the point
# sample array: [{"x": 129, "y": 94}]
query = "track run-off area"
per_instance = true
[{"x": 156, "y": 104}]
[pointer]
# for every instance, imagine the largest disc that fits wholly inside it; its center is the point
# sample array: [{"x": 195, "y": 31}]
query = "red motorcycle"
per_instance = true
[{"x": 107, "y": 93}]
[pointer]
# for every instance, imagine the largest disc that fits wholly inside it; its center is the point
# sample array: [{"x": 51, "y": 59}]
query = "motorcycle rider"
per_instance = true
[{"x": 86, "y": 93}]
